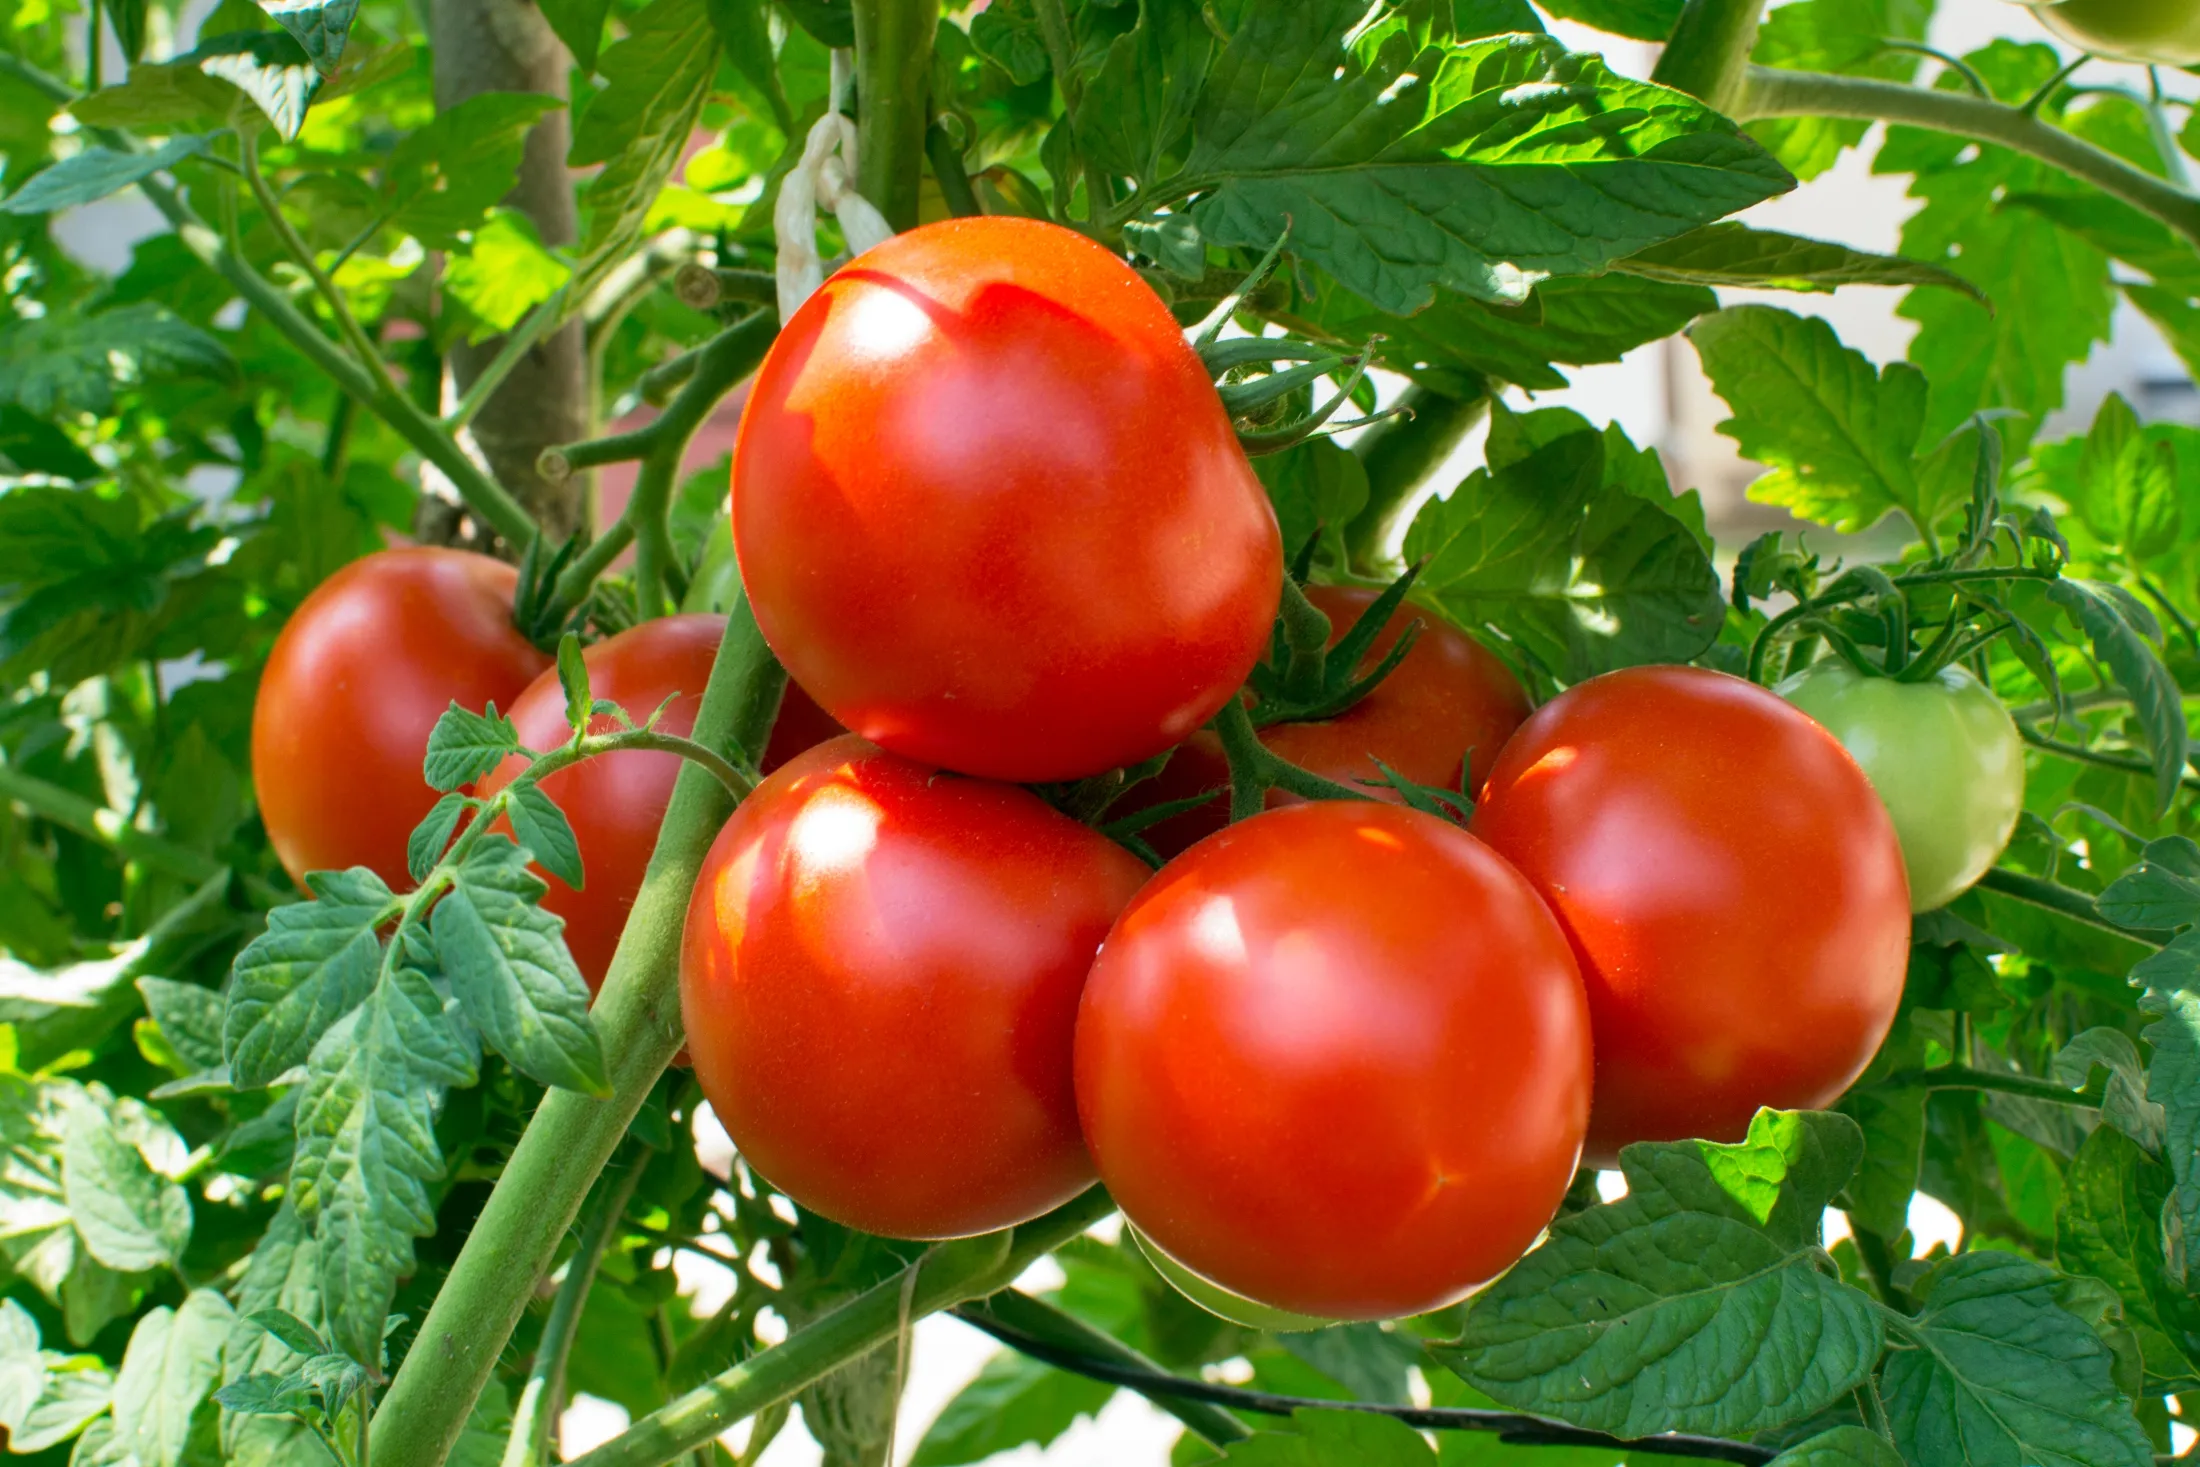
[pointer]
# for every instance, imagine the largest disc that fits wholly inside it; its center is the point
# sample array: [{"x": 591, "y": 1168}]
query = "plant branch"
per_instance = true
[
  {"x": 110, "y": 828},
  {"x": 2063, "y": 901},
  {"x": 517, "y": 1235},
  {"x": 529, "y": 1444},
  {"x": 953, "y": 1273},
  {"x": 946, "y": 156},
  {"x": 537, "y": 323},
  {"x": 487, "y": 498},
  {"x": 1707, "y": 55},
  {"x": 893, "y": 88},
  {"x": 1963, "y": 1077},
  {"x": 1255, "y": 769},
  {"x": 1512, "y": 1427},
  {"x": 1016, "y": 1320},
  {"x": 1770, "y": 92},
  {"x": 2129, "y": 764},
  {"x": 1399, "y": 454}
]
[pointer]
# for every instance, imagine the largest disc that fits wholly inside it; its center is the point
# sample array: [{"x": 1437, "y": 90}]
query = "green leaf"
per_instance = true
[
  {"x": 320, "y": 27},
  {"x": 1641, "y": 20},
  {"x": 1844, "y": 1446},
  {"x": 2156, "y": 701},
  {"x": 75, "y": 1395},
  {"x": 2126, "y": 488},
  {"x": 2160, "y": 894},
  {"x": 1893, "y": 1122},
  {"x": 190, "y": 1019},
  {"x": 1333, "y": 1439},
  {"x": 173, "y": 1364},
  {"x": 502, "y": 273},
  {"x": 655, "y": 81},
  {"x": 425, "y": 846},
  {"x": 128, "y": 19},
  {"x": 1008, "y": 35},
  {"x": 579, "y": 23},
  {"x": 1480, "y": 168},
  {"x": 1580, "y": 571},
  {"x": 573, "y": 678},
  {"x": 1841, "y": 438},
  {"x": 2000, "y": 1375},
  {"x": 465, "y": 745},
  {"x": 159, "y": 97},
  {"x": 367, "y": 1149},
  {"x": 1841, "y": 36},
  {"x": 1699, "y": 1302},
  {"x": 1137, "y": 108},
  {"x": 445, "y": 176},
  {"x": 284, "y": 1273},
  {"x": 1734, "y": 254},
  {"x": 22, "y": 1371},
  {"x": 270, "y": 67},
  {"x": 2174, "y": 315},
  {"x": 2109, "y": 1227},
  {"x": 130, "y": 1216},
  {"x": 1315, "y": 486},
  {"x": 544, "y": 831},
  {"x": 2123, "y": 233},
  {"x": 316, "y": 960},
  {"x": 97, "y": 172},
  {"x": 70, "y": 362},
  {"x": 1014, "y": 1400},
  {"x": 744, "y": 30},
  {"x": 2124, "y": 1103},
  {"x": 510, "y": 971}
]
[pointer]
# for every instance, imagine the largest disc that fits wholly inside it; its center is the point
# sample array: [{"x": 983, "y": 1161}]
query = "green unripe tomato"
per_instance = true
[
  {"x": 2150, "y": 32},
  {"x": 1218, "y": 1301},
  {"x": 1944, "y": 756}
]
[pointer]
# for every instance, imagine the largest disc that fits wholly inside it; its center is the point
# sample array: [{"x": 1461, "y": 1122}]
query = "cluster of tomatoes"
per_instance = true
[{"x": 1337, "y": 1060}]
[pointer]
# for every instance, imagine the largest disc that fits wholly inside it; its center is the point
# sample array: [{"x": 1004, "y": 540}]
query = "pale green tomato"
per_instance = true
[
  {"x": 2150, "y": 32},
  {"x": 1944, "y": 756},
  {"x": 1218, "y": 1301}
]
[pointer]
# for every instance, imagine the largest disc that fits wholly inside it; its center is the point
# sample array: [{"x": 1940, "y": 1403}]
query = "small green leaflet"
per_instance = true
[
  {"x": 130, "y": 1217},
  {"x": 2122, "y": 632},
  {"x": 1313, "y": 486},
  {"x": 1734, "y": 254},
  {"x": 1844, "y": 1446},
  {"x": 315, "y": 962},
  {"x": 1641, "y": 20},
  {"x": 76, "y": 363},
  {"x": 1699, "y": 1302},
  {"x": 1558, "y": 553},
  {"x": 573, "y": 678},
  {"x": 445, "y": 176},
  {"x": 2111, "y": 1052},
  {"x": 2000, "y": 1373},
  {"x": 97, "y": 172},
  {"x": 1333, "y": 1439},
  {"x": 2109, "y": 1227},
  {"x": 655, "y": 81},
  {"x": 425, "y": 846},
  {"x": 367, "y": 1149},
  {"x": 1892, "y": 1119},
  {"x": 1141, "y": 100},
  {"x": 1841, "y": 438},
  {"x": 190, "y": 1019},
  {"x": 1014, "y": 1400},
  {"x": 510, "y": 971},
  {"x": 1479, "y": 167},
  {"x": 270, "y": 67},
  {"x": 2161, "y": 893},
  {"x": 173, "y": 1363},
  {"x": 2174, "y": 315},
  {"x": 464, "y": 745},
  {"x": 320, "y": 27},
  {"x": 579, "y": 23},
  {"x": 1841, "y": 36},
  {"x": 501, "y": 272},
  {"x": 285, "y": 1274},
  {"x": 2126, "y": 487}
]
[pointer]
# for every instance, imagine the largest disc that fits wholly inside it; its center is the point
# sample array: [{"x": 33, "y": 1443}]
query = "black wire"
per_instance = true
[{"x": 1511, "y": 1427}]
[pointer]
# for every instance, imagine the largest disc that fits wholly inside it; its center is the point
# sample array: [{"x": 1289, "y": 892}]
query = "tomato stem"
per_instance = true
[
  {"x": 1399, "y": 455},
  {"x": 1964, "y": 1077},
  {"x": 1707, "y": 55},
  {"x": 2063, "y": 901},
  {"x": 893, "y": 91}
]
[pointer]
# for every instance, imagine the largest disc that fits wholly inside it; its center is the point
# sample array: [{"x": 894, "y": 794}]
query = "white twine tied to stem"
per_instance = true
[{"x": 826, "y": 175}]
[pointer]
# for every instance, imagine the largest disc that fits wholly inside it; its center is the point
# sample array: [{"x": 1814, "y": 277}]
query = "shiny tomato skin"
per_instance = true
[
  {"x": 1732, "y": 887},
  {"x": 1447, "y": 697},
  {"x": 1336, "y": 1060},
  {"x": 990, "y": 510},
  {"x": 356, "y": 681},
  {"x": 801, "y": 725},
  {"x": 880, "y": 977}
]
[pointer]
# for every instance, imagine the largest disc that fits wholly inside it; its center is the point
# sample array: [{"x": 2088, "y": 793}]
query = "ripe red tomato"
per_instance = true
[
  {"x": 1732, "y": 887},
  {"x": 356, "y": 680},
  {"x": 880, "y": 978},
  {"x": 1336, "y": 1060},
  {"x": 991, "y": 513},
  {"x": 1448, "y": 697}
]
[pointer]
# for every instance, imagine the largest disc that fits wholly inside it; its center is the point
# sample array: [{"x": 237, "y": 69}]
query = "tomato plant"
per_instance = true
[
  {"x": 862, "y": 908},
  {"x": 355, "y": 682},
  {"x": 1944, "y": 756},
  {"x": 384, "y": 387},
  {"x": 1730, "y": 883}
]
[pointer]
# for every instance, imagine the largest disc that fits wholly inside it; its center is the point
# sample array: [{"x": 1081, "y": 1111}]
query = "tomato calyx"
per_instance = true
[{"x": 1304, "y": 679}]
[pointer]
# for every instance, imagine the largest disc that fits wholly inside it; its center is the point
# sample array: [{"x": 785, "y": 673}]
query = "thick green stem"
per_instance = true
[
  {"x": 1708, "y": 53},
  {"x": 1399, "y": 454},
  {"x": 2079, "y": 753},
  {"x": 1769, "y": 92},
  {"x": 110, "y": 828},
  {"x": 1041, "y": 1321},
  {"x": 499, "y": 510},
  {"x": 953, "y": 1274},
  {"x": 893, "y": 88},
  {"x": 1963, "y": 1077},
  {"x": 946, "y": 156},
  {"x": 529, "y": 1444},
  {"x": 516, "y": 1237},
  {"x": 2063, "y": 901}
]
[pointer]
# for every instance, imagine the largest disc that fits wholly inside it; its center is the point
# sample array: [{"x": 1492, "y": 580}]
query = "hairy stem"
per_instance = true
[
  {"x": 571, "y": 1136},
  {"x": 952, "y": 1274},
  {"x": 893, "y": 87},
  {"x": 1769, "y": 92},
  {"x": 1708, "y": 53},
  {"x": 1963, "y": 1077},
  {"x": 2063, "y": 901}
]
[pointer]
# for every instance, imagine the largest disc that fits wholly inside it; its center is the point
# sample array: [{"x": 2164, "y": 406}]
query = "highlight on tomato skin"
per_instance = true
[
  {"x": 1342, "y": 999},
  {"x": 1730, "y": 883},
  {"x": 1450, "y": 701},
  {"x": 879, "y": 977},
  {"x": 356, "y": 680},
  {"x": 992, "y": 514}
]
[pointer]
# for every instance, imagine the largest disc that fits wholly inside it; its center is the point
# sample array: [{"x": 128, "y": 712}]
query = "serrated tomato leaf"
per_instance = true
[{"x": 315, "y": 962}]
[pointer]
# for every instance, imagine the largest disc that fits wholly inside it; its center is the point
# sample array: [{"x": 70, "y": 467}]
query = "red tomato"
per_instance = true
[
  {"x": 357, "y": 679},
  {"x": 615, "y": 802},
  {"x": 1732, "y": 887},
  {"x": 880, "y": 979},
  {"x": 802, "y": 726},
  {"x": 1336, "y": 1060},
  {"x": 991, "y": 513},
  {"x": 1449, "y": 696}
]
